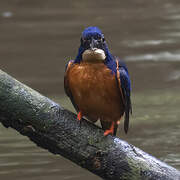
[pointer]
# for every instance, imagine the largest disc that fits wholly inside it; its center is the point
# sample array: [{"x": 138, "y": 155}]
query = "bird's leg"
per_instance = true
[
  {"x": 79, "y": 116},
  {"x": 111, "y": 130}
]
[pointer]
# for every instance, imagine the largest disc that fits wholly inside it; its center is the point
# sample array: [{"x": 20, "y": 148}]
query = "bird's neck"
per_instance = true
[
  {"x": 78, "y": 59},
  {"x": 109, "y": 61}
]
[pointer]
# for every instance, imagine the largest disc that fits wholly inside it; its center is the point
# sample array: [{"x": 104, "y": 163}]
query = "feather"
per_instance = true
[
  {"x": 66, "y": 84},
  {"x": 125, "y": 89}
]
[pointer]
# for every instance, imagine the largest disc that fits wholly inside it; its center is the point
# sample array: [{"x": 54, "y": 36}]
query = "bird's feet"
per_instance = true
[
  {"x": 110, "y": 131},
  {"x": 79, "y": 116}
]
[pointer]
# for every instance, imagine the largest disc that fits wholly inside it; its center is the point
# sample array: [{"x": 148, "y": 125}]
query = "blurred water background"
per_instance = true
[{"x": 38, "y": 37}]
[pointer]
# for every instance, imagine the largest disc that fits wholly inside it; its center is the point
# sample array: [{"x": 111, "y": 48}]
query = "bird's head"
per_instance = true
[{"x": 93, "y": 46}]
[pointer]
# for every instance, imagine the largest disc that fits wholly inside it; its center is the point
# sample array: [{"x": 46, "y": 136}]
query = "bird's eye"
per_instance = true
[
  {"x": 101, "y": 39},
  {"x": 87, "y": 39}
]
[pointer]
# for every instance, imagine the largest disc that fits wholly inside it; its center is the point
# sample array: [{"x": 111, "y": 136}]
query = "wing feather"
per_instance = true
[{"x": 125, "y": 90}]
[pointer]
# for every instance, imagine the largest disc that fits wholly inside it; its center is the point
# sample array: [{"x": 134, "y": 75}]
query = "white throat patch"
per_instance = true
[{"x": 93, "y": 55}]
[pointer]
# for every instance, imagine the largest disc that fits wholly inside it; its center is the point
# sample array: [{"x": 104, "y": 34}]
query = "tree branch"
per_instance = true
[{"x": 56, "y": 129}]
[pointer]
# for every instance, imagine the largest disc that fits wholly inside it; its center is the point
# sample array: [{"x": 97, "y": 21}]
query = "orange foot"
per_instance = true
[
  {"x": 79, "y": 116},
  {"x": 110, "y": 131}
]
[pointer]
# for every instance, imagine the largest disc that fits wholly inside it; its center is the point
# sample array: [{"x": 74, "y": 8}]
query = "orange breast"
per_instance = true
[{"x": 95, "y": 91}]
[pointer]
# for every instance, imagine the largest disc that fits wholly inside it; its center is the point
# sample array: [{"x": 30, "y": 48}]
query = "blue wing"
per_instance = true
[{"x": 125, "y": 85}]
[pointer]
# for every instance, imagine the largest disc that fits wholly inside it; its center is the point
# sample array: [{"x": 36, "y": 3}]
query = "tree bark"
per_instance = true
[{"x": 56, "y": 129}]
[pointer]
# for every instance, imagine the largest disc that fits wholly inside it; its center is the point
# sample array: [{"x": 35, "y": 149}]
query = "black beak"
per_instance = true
[{"x": 93, "y": 44}]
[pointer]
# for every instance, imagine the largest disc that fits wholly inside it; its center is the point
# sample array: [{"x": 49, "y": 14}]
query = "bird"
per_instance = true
[{"x": 98, "y": 83}]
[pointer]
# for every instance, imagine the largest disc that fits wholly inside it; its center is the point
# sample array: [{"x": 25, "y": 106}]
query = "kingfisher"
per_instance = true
[{"x": 98, "y": 83}]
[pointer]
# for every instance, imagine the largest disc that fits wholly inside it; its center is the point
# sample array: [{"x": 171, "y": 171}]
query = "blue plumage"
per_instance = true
[
  {"x": 110, "y": 59},
  {"x": 91, "y": 31},
  {"x": 93, "y": 36},
  {"x": 126, "y": 90}
]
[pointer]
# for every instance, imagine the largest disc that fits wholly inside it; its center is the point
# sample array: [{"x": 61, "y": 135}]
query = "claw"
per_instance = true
[{"x": 110, "y": 131}]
